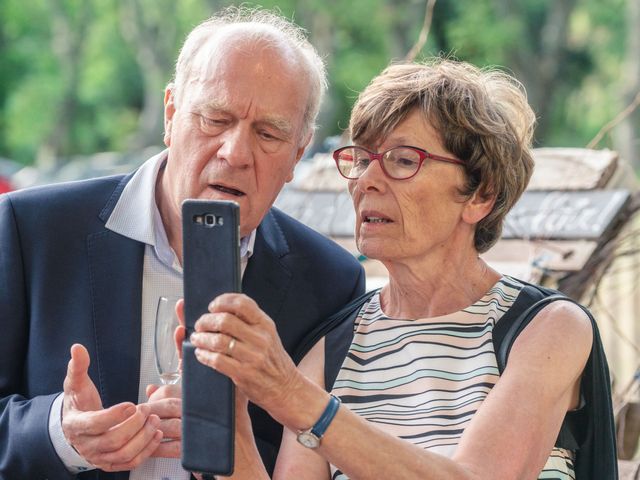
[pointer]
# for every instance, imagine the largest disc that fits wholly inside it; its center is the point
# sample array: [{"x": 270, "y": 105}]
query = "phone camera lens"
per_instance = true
[{"x": 209, "y": 219}]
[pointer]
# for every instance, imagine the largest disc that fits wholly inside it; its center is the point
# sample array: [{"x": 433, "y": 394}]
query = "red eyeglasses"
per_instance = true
[{"x": 398, "y": 163}]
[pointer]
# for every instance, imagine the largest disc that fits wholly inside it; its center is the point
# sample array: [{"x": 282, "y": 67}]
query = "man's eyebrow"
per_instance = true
[
  {"x": 213, "y": 106},
  {"x": 282, "y": 125}
]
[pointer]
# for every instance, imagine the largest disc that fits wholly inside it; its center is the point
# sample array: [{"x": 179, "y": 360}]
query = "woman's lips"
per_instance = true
[
  {"x": 376, "y": 220},
  {"x": 374, "y": 217}
]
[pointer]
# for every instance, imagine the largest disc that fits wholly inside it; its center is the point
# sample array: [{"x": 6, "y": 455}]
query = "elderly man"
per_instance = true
[{"x": 84, "y": 264}]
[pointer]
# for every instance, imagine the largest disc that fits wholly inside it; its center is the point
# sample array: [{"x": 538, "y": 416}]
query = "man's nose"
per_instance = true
[{"x": 235, "y": 147}]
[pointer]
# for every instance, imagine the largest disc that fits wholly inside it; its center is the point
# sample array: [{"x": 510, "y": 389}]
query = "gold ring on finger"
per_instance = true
[{"x": 232, "y": 344}]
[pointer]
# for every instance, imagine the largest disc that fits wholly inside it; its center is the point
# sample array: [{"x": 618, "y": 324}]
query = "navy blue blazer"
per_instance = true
[{"x": 65, "y": 278}]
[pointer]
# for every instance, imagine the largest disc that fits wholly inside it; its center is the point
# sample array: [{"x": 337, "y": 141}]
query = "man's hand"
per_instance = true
[
  {"x": 114, "y": 439},
  {"x": 166, "y": 402}
]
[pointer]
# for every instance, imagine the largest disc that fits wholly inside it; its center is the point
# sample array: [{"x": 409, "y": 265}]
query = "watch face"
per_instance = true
[{"x": 308, "y": 439}]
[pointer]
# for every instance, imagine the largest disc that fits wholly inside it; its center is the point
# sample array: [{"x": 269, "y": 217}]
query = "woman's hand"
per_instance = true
[{"x": 239, "y": 340}]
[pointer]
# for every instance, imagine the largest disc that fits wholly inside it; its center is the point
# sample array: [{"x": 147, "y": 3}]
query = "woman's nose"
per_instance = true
[{"x": 372, "y": 178}]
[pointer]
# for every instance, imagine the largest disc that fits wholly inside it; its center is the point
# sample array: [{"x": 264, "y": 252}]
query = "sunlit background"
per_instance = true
[{"x": 80, "y": 77}]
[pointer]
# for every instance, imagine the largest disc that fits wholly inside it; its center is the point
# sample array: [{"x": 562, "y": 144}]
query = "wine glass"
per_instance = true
[{"x": 167, "y": 361}]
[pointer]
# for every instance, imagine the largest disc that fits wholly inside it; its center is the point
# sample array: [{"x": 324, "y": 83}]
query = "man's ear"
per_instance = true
[
  {"x": 169, "y": 111},
  {"x": 301, "y": 148},
  {"x": 478, "y": 206}
]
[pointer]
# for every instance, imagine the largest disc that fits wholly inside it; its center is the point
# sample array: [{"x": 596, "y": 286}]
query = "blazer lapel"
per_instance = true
[
  {"x": 267, "y": 278},
  {"x": 116, "y": 290},
  {"x": 115, "y": 264}
]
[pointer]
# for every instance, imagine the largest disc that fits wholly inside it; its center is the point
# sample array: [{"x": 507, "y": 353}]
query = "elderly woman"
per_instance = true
[{"x": 440, "y": 153}]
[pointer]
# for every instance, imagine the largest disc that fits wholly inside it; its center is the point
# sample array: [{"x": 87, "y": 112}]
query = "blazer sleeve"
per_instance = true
[{"x": 25, "y": 448}]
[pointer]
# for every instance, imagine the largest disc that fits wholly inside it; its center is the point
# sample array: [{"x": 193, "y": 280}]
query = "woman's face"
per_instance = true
[{"x": 421, "y": 216}]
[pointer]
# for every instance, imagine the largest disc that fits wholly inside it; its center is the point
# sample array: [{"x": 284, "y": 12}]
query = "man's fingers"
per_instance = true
[
  {"x": 181, "y": 331},
  {"x": 80, "y": 393},
  {"x": 171, "y": 428},
  {"x": 166, "y": 407},
  {"x": 99, "y": 422},
  {"x": 151, "y": 389},
  {"x": 166, "y": 403},
  {"x": 125, "y": 432},
  {"x": 161, "y": 392},
  {"x": 170, "y": 449},
  {"x": 141, "y": 446},
  {"x": 135, "y": 443},
  {"x": 180, "y": 311},
  {"x": 117, "y": 438},
  {"x": 77, "y": 368},
  {"x": 178, "y": 338},
  {"x": 121, "y": 443}
]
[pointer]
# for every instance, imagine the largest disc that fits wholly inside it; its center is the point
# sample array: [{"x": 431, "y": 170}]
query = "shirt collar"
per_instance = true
[{"x": 136, "y": 214}]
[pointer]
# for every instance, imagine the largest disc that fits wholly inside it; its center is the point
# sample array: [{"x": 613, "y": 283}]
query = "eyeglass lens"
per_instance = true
[{"x": 398, "y": 163}]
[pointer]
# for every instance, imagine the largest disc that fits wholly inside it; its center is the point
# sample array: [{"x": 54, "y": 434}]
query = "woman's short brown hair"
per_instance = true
[{"x": 481, "y": 115}]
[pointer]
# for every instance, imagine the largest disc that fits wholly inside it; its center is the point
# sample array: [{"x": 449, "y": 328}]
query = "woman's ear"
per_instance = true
[{"x": 478, "y": 206}]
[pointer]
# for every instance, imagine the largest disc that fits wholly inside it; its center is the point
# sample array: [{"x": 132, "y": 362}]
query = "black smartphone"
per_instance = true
[{"x": 211, "y": 264}]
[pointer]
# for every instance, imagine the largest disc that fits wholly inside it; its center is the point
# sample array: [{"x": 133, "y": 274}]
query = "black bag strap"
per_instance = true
[
  {"x": 572, "y": 429},
  {"x": 336, "y": 347},
  {"x": 349, "y": 311},
  {"x": 516, "y": 327},
  {"x": 529, "y": 294}
]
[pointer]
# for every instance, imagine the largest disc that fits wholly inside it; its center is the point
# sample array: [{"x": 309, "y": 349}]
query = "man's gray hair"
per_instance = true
[{"x": 261, "y": 26}]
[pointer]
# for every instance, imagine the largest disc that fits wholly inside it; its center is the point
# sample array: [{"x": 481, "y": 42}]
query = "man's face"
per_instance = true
[{"x": 235, "y": 132}]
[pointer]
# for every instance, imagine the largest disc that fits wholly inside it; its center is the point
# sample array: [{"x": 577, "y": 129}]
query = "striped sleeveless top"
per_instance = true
[{"x": 423, "y": 380}]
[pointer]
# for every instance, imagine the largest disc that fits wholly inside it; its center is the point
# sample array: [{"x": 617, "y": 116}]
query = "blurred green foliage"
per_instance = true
[{"x": 74, "y": 78}]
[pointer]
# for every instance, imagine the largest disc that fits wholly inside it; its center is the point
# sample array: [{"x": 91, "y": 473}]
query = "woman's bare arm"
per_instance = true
[{"x": 294, "y": 460}]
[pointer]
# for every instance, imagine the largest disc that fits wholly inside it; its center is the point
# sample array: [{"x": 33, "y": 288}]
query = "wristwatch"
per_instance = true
[{"x": 311, "y": 438}]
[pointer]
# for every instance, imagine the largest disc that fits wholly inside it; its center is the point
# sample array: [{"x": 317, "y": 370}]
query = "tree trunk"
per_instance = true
[
  {"x": 538, "y": 57},
  {"x": 68, "y": 37},
  {"x": 627, "y": 135},
  {"x": 153, "y": 40},
  {"x": 319, "y": 25}
]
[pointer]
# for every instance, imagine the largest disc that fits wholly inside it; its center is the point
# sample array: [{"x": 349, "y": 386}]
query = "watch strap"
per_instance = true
[{"x": 326, "y": 418}]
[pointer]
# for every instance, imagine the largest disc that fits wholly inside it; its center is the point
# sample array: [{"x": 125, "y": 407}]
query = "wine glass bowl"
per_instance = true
[{"x": 166, "y": 353}]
